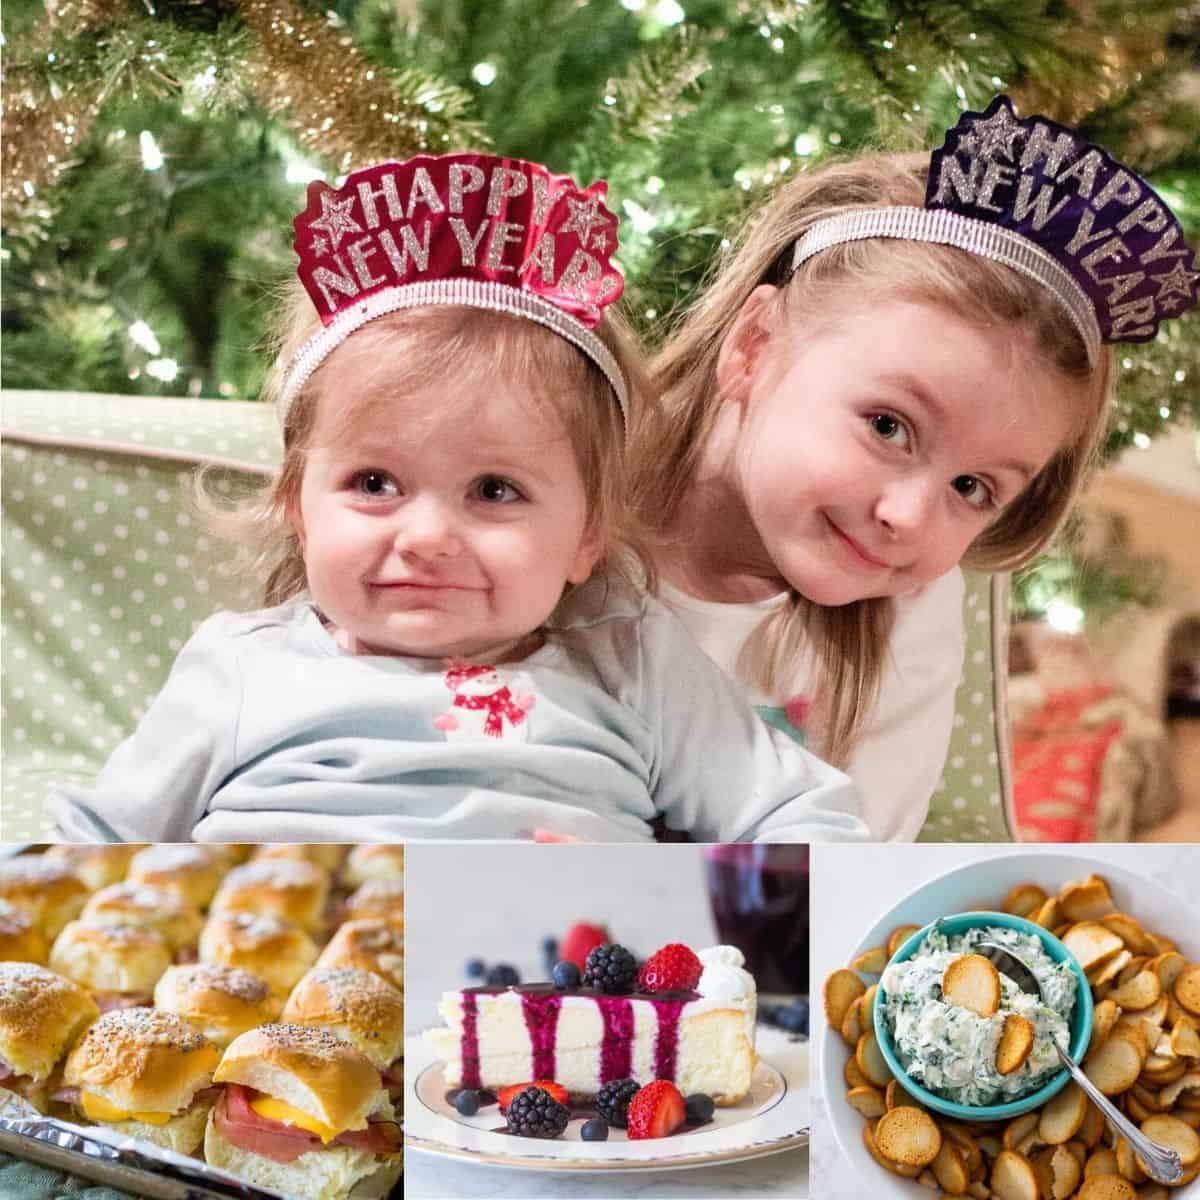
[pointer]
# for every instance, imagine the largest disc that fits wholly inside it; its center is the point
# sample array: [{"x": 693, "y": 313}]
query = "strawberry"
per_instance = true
[
  {"x": 674, "y": 968},
  {"x": 580, "y": 940},
  {"x": 656, "y": 1111},
  {"x": 506, "y": 1095}
]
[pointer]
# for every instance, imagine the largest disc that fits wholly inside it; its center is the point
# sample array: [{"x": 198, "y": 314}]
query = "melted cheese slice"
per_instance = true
[
  {"x": 277, "y": 1110},
  {"x": 96, "y": 1108}
]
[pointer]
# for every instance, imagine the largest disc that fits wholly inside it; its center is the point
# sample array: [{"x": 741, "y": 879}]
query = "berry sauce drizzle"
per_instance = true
[
  {"x": 541, "y": 1020},
  {"x": 667, "y": 1042},
  {"x": 470, "y": 1043},
  {"x": 616, "y": 1048}
]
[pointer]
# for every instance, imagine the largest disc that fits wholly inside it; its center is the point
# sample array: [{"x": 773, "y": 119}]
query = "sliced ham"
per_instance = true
[
  {"x": 283, "y": 1143},
  {"x": 107, "y": 1001},
  {"x": 65, "y": 1095}
]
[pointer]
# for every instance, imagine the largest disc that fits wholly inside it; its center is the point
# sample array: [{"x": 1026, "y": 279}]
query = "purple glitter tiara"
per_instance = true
[
  {"x": 1034, "y": 195},
  {"x": 1101, "y": 221}
]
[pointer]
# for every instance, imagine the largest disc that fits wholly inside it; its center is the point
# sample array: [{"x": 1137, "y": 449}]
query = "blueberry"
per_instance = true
[
  {"x": 699, "y": 1109},
  {"x": 475, "y": 968},
  {"x": 467, "y": 1102},
  {"x": 550, "y": 947},
  {"x": 502, "y": 975},
  {"x": 566, "y": 975},
  {"x": 595, "y": 1130},
  {"x": 794, "y": 1018},
  {"x": 768, "y": 1014}
]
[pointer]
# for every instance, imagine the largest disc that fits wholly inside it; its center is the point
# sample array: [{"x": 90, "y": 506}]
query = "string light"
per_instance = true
[{"x": 152, "y": 158}]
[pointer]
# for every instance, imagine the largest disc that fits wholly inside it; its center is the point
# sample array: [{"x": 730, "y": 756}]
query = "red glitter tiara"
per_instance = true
[{"x": 471, "y": 229}]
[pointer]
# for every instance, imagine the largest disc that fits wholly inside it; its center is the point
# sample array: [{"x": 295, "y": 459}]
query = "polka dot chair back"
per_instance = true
[{"x": 106, "y": 574}]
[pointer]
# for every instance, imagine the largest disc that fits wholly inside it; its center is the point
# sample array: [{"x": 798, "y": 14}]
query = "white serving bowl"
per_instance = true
[{"x": 982, "y": 884}]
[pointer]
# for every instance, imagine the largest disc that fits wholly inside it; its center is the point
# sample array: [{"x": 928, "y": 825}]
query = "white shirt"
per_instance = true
[{"x": 902, "y": 748}]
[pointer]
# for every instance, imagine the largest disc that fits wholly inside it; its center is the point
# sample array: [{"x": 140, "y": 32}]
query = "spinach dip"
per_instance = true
[{"x": 952, "y": 1051}]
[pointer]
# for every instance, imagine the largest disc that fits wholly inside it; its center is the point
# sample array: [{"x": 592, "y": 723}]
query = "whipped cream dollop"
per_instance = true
[{"x": 726, "y": 981}]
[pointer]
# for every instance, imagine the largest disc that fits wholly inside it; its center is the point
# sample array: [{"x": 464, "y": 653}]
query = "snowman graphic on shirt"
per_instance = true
[{"x": 485, "y": 705}]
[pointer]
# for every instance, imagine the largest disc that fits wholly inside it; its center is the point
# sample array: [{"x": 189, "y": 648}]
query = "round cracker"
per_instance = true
[
  {"x": 1187, "y": 989},
  {"x": 950, "y": 1169},
  {"x": 871, "y": 1061},
  {"x": 973, "y": 983},
  {"x": 841, "y": 989},
  {"x": 1114, "y": 1065},
  {"x": 909, "y": 1136},
  {"x": 867, "y": 1100},
  {"x": 1062, "y": 1117},
  {"x": 1106, "y": 1187},
  {"x": 1016, "y": 1041},
  {"x": 1171, "y": 1131},
  {"x": 1013, "y": 1177}
]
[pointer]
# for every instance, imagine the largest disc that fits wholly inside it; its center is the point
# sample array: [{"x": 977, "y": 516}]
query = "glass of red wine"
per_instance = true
[{"x": 759, "y": 898}]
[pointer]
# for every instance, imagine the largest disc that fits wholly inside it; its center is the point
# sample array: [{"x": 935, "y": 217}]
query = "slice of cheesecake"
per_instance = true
[{"x": 702, "y": 1040}]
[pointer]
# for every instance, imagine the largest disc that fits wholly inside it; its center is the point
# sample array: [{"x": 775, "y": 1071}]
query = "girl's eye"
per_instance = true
[
  {"x": 974, "y": 492},
  {"x": 375, "y": 484},
  {"x": 890, "y": 428},
  {"x": 495, "y": 490}
]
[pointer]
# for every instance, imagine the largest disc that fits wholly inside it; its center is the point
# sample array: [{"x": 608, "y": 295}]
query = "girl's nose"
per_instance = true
[
  {"x": 905, "y": 506},
  {"x": 427, "y": 530}
]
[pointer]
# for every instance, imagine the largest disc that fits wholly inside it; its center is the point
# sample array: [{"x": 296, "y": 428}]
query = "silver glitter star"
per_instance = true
[
  {"x": 1177, "y": 279},
  {"x": 583, "y": 216},
  {"x": 993, "y": 138},
  {"x": 1172, "y": 304},
  {"x": 335, "y": 218},
  {"x": 320, "y": 247},
  {"x": 600, "y": 243}
]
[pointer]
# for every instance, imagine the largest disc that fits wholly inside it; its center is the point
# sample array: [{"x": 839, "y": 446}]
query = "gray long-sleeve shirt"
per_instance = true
[{"x": 266, "y": 730}]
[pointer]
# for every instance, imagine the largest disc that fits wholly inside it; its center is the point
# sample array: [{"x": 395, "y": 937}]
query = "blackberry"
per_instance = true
[
  {"x": 699, "y": 1108},
  {"x": 611, "y": 968},
  {"x": 467, "y": 1102},
  {"x": 612, "y": 1101},
  {"x": 595, "y": 1130},
  {"x": 502, "y": 975},
  {"x": 536, "y": 1113},
  {"x": 566, "y": 976}
]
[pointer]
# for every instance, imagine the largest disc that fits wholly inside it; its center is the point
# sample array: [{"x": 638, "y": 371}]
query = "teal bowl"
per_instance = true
[{"x": 1080, "y": 1024}]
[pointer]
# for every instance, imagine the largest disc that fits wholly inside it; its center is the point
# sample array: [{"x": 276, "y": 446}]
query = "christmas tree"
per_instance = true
[{"x": 155, "y": 151}]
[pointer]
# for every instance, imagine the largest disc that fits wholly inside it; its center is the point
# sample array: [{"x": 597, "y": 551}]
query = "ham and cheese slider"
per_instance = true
[
  {"x": 327, "y": 855},
  {"x": 20, "y": 938},
  {"x": 303, "y": 1113},
  {"x": 359, "y": 1008},
  {"x": 144, "y": 1073},
  {"x": 219, "y": 1001},
  {"x": 374, "y": 860},
  {"x": 383, "y": 898},
  {"x": 118, "y": 964},
  {"x": 49, "y": 892},
  {"x": 265, "y": 945},
  {"x": 151, "y": 907},
  {"x": 372, "y": 944},
  {"x": 41, "y": 1015},
  {"x": 190, "y": 872},
  {"x": 97, "y": 866},
  {"x": 294, "y": 890}
]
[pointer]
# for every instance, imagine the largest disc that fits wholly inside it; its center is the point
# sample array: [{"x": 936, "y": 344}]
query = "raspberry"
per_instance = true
[
  {"x": 611, "y": 968},
  {"x": 674, "y": 968},
  {"x": 535, "y": 1113},
  {"x": 656, "y": 1111},
  {"x": 580, "y": 941}
]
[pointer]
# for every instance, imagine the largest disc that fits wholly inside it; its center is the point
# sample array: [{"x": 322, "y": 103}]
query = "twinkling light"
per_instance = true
[
  {"x": 641, "y": 220},
  {"x": 806, "y": 144},
  {"x": 633, "y": 5},
  {"x": 1141, "y": 441},
  {"x": 484, "y": 74},
  {"x": 654, "y": 185},
  {"x": 1064, "y": 616},
  {"x": 140, "y": 334},
  {"x": 152, "y": 158},
  {"x": 298, "y": 171},
  {"x": 668, "y": 12},
  {"x": 162, "y": 368}
]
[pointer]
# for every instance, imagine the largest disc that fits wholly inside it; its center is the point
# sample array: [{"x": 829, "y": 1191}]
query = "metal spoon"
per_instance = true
[{"x": 1162, "y": 1163}]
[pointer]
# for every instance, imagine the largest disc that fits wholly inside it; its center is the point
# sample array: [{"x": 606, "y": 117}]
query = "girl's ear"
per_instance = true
[
  {"x": 742, "y": 351},
  {"x": 297, "y": 521},
  {"x": 591, "y": 545}
]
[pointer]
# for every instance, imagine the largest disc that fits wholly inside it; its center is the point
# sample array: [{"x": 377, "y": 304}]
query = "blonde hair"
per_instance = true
[
  {"x": 414, "y": 349},
  {"x": 850, "y": 642}
]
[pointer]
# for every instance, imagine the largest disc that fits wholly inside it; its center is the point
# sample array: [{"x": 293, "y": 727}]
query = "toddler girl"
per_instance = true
[
  {"x": 899, "y": 369},
  {"x": 450, "y": 648}
]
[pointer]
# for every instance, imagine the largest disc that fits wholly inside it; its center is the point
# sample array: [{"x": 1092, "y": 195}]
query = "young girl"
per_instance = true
[
  {"x": 450, "y": 649},
  {"x": 898, "y": 370}
]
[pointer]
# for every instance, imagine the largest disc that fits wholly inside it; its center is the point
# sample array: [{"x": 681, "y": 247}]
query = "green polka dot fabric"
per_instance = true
[
  {"x": 106, "y": 575},
  {"x": 973, "y": 802}
]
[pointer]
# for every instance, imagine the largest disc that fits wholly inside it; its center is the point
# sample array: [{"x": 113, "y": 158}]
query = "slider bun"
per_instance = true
[
  {"x": 219, "y": 1001},
  {"x": 97, "y": 866},
  {"x": 48, "y": 891},
  {"x": 265, "y": 945},
  {"x": 374, "y": 860},
  {"x": 142, "y": 1060},
  {"x": 110, "y": 958},
  {"x": 183, "y": 1134},
  {"x": 371, "y": 944},
  {"x": 354, "y": 1005},
  {"x": 307, "y": 1068},
  {"x": 327, "y": 855},
  {"x": 377, "y": 898},
  {"x": 190, "y": 872},
  {"x": 20, "y": 938},
  {"x": 327, "y": 1174},
  {"x": 294, "y": 890},
  {"x": 141, "y": 904},
  {"x": 41, "y": 1015}
]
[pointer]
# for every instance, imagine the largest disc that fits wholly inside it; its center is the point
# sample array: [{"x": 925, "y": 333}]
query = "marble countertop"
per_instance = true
[
  {"x": 853, "y": 885},
  {"x": 498, "y": 903}
]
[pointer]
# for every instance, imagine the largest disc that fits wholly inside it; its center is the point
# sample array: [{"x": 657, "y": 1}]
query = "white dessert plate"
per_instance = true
[
  {"x": 774, "y": 1116},
  {"x": 984, "y": 885}
]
